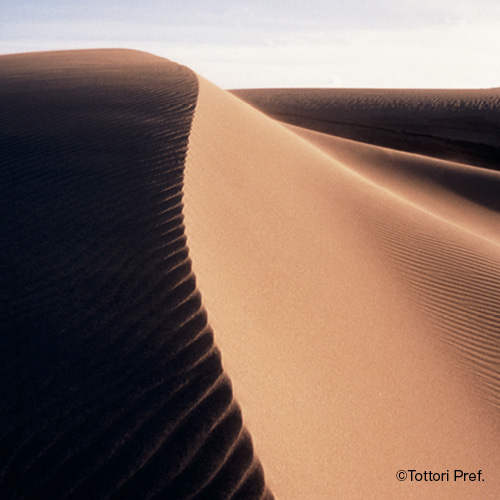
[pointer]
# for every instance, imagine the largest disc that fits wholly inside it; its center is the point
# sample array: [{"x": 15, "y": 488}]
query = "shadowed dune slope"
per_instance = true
[
  {"x": 353, "y": 292},
  {"x": 456, "y": 125},
  {"x": 111, "y": 386}
]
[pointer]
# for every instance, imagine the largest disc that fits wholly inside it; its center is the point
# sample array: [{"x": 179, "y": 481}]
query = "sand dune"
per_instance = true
[
  {"x": 111, "y": 384},
  {"x": 457, "y": 125},
  {"x": 167, "y": 245}
]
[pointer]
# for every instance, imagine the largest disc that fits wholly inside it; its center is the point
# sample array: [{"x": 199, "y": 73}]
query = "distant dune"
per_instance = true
[
  {"x": 457, "y": 125},
  {"x": 200, "y": 301}
]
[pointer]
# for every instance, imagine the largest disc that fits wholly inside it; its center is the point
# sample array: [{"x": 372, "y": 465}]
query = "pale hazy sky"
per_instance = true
[{"x": 269, "y": 43}]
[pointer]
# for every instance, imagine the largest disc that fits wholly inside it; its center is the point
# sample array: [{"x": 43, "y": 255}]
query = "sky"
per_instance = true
[{"x": 279, "y": 43}]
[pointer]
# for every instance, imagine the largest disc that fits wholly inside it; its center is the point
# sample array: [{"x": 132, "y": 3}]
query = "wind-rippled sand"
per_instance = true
[{"x": 203, "y": 302}]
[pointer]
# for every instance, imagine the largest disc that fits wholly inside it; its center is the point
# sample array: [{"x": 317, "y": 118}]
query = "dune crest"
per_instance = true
[{"x": 112, "y": 386}]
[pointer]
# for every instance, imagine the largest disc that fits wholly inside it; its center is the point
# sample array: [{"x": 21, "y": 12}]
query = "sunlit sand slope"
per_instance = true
[
  {"x": 353, "y": 294},
  {"x": 111, "y": 386},
  {"x": 453, "y": 268},
  {"x": 458, "y": 125}
]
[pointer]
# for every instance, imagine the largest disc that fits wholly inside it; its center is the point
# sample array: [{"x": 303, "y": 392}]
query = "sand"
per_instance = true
[
  {"x": 458, "y": 125},
  {"x": 112, "y": 386},
  {"x": 358, "y": 325},
  {"x": 203, "y": 302}
]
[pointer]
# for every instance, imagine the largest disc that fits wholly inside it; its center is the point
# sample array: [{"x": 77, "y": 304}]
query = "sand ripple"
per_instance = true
[{"x": 111, "y": 384}]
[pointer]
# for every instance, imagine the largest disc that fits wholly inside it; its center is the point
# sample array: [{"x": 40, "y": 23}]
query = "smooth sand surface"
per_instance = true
[
  {"x": 354, "y": 298},
  {"x": 201, "y": 302}
]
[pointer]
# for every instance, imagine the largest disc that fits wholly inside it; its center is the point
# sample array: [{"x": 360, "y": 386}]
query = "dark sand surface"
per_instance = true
[{"x": 111, "y": 384}]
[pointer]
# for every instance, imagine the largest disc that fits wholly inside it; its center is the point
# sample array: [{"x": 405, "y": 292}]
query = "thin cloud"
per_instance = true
[{"x": 387, "y": 43}]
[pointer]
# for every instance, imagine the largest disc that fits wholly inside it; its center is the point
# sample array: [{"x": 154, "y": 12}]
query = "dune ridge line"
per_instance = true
[{"x": 112, "y": 386}]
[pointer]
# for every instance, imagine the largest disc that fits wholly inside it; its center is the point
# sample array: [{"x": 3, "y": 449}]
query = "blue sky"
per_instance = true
[{"x": 278, "y": 43}]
